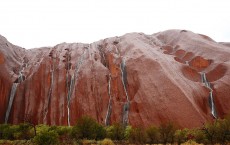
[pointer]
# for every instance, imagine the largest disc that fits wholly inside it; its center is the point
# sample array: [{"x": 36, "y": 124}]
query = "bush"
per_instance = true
[
  {"x": 88, "y": 128},
  {"x": 2, "y": 128},
  {"x": 152, "y": 135},
  {"x": 181, "y": 136},
  {"x": 25, "y": 131},
  {"x": 41, "y": 128},
  {"x": 128, "y": 130},
  {"x": 107, "y": 141},
  {"x": 223, "y": 131},
  {"x": 137, "y": 135},
  {"x": 46, "y": 138},
  {"x": 9, "y": 132},
  {"x": 115, "y": 132},
  {"x": 167, "y": 132},
  {"x": 199, "y": 136}
]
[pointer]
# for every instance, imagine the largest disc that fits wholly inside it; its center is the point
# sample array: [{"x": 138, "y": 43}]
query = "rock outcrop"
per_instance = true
[{"x": 136, "y": 79}]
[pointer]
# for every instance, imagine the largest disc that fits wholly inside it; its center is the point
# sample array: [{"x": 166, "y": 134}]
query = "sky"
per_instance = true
[{"x": 38, "y": 23}]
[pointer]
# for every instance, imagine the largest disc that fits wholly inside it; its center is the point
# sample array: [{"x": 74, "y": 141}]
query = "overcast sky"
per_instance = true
[{"x": 37, "y": 23}]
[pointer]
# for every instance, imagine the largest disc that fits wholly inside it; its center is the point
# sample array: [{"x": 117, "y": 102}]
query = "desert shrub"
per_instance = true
[
  {"x": 181, "y": 136},
  {"x": 46, "y": 138},
  {"x": 101, "y": 132},
  {"x": 9, "y": 132},
  {"x": 63, "y": 130},
  {"x": 211, "y": 131},
  {"x": 25, "y": 131},
  {"x": 137, "y": 136},
  {"x": 18, "y": 132},
  {"x": 191, "y": 142},
  {"x": 64, "y": 133},
  {"x": 88, "y": 128},
  {"x": 106, "y": 141},
  {"x": 199, "y": 136},
  {"x": 41, "y": 128},
  {"x": 222, "y": 131},
  {"x": 2, "y": 128},
  {"x": 167, "y": 132},
  {"x": 115, "y": 132},
  {"x": 87, "y": 142},
  {"x": 152, "y": 134},
  {"x": 128, "y": 129}
]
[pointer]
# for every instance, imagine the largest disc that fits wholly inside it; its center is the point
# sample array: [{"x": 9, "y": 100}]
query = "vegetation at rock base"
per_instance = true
[{"x": 88, "y": 131}]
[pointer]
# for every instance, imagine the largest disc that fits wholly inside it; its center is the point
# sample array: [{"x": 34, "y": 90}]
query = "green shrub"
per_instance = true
[
  {"x": 137, "y": 136},
  {"x": 2, "y": 128},
  {"x": 42, "y": 127},
  {"x": 199, "y": 136},
  {"x": 128, "y": 130},
  {"x": 46, "y": 138},
  {"x": 115, "y": 132},
  {"x": 88, "y": 128},
  {"x": 106, "y": 141},
  {"x": 63, "y": 130},
  {"x": 167, "y": 132},
  {"x": 152, "y": 135},
  {"x": 25, "y": 131},
  {"x": 181, "y": 136},
  {"x": 10, "y": 132},
  {"x": 223, "y": 131}
]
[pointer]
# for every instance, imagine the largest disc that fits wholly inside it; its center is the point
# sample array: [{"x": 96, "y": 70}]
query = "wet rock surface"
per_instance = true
[{"x": 134, "y": 79}]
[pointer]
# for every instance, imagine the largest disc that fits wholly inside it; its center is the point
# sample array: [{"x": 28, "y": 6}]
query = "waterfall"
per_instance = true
[
  {"x": 12, "y": 94},
  {"x": 67, "y": 73},
  {"x": 124, "y": 77},
  {"x": 127, "y": 104},
  {"x": 125, "y": 118},
  {"x": 205, "y": 81},
  {"x": 211, "y": 100},
  {"x": 20, "y": 77},
  {"x": 50, "y": 92},
  {"x": 186, "y": 62},
  {"x": 109, "y": 111},
  {"x": 212, "y": 105},
  {"x": 68, "y": 98},
  {"x": 72, "y": 84}
]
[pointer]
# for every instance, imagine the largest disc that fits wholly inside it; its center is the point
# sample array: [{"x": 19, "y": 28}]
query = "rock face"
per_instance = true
[{"x": 136, "y": 79}]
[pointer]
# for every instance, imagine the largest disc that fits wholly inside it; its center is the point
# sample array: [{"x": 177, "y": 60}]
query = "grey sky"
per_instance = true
[{"x": 37, "y": 23}]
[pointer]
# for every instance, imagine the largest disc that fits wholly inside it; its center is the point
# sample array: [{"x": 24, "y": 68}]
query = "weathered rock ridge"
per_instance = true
[{"x": 136, "y": 79}]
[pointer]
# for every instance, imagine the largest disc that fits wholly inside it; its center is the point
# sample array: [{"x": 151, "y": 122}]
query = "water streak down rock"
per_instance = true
[
  {"x": 12, "y": 94},
  {"x": 211, "y": 101},
  {"x": 134, "y": 79}
]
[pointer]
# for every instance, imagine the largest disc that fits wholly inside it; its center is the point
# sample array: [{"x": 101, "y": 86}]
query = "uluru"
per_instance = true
[{"x": 136, "y": 79}]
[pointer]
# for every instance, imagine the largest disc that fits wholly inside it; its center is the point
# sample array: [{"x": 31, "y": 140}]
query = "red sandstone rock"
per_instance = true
[{"x": 161, "y": 76}]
